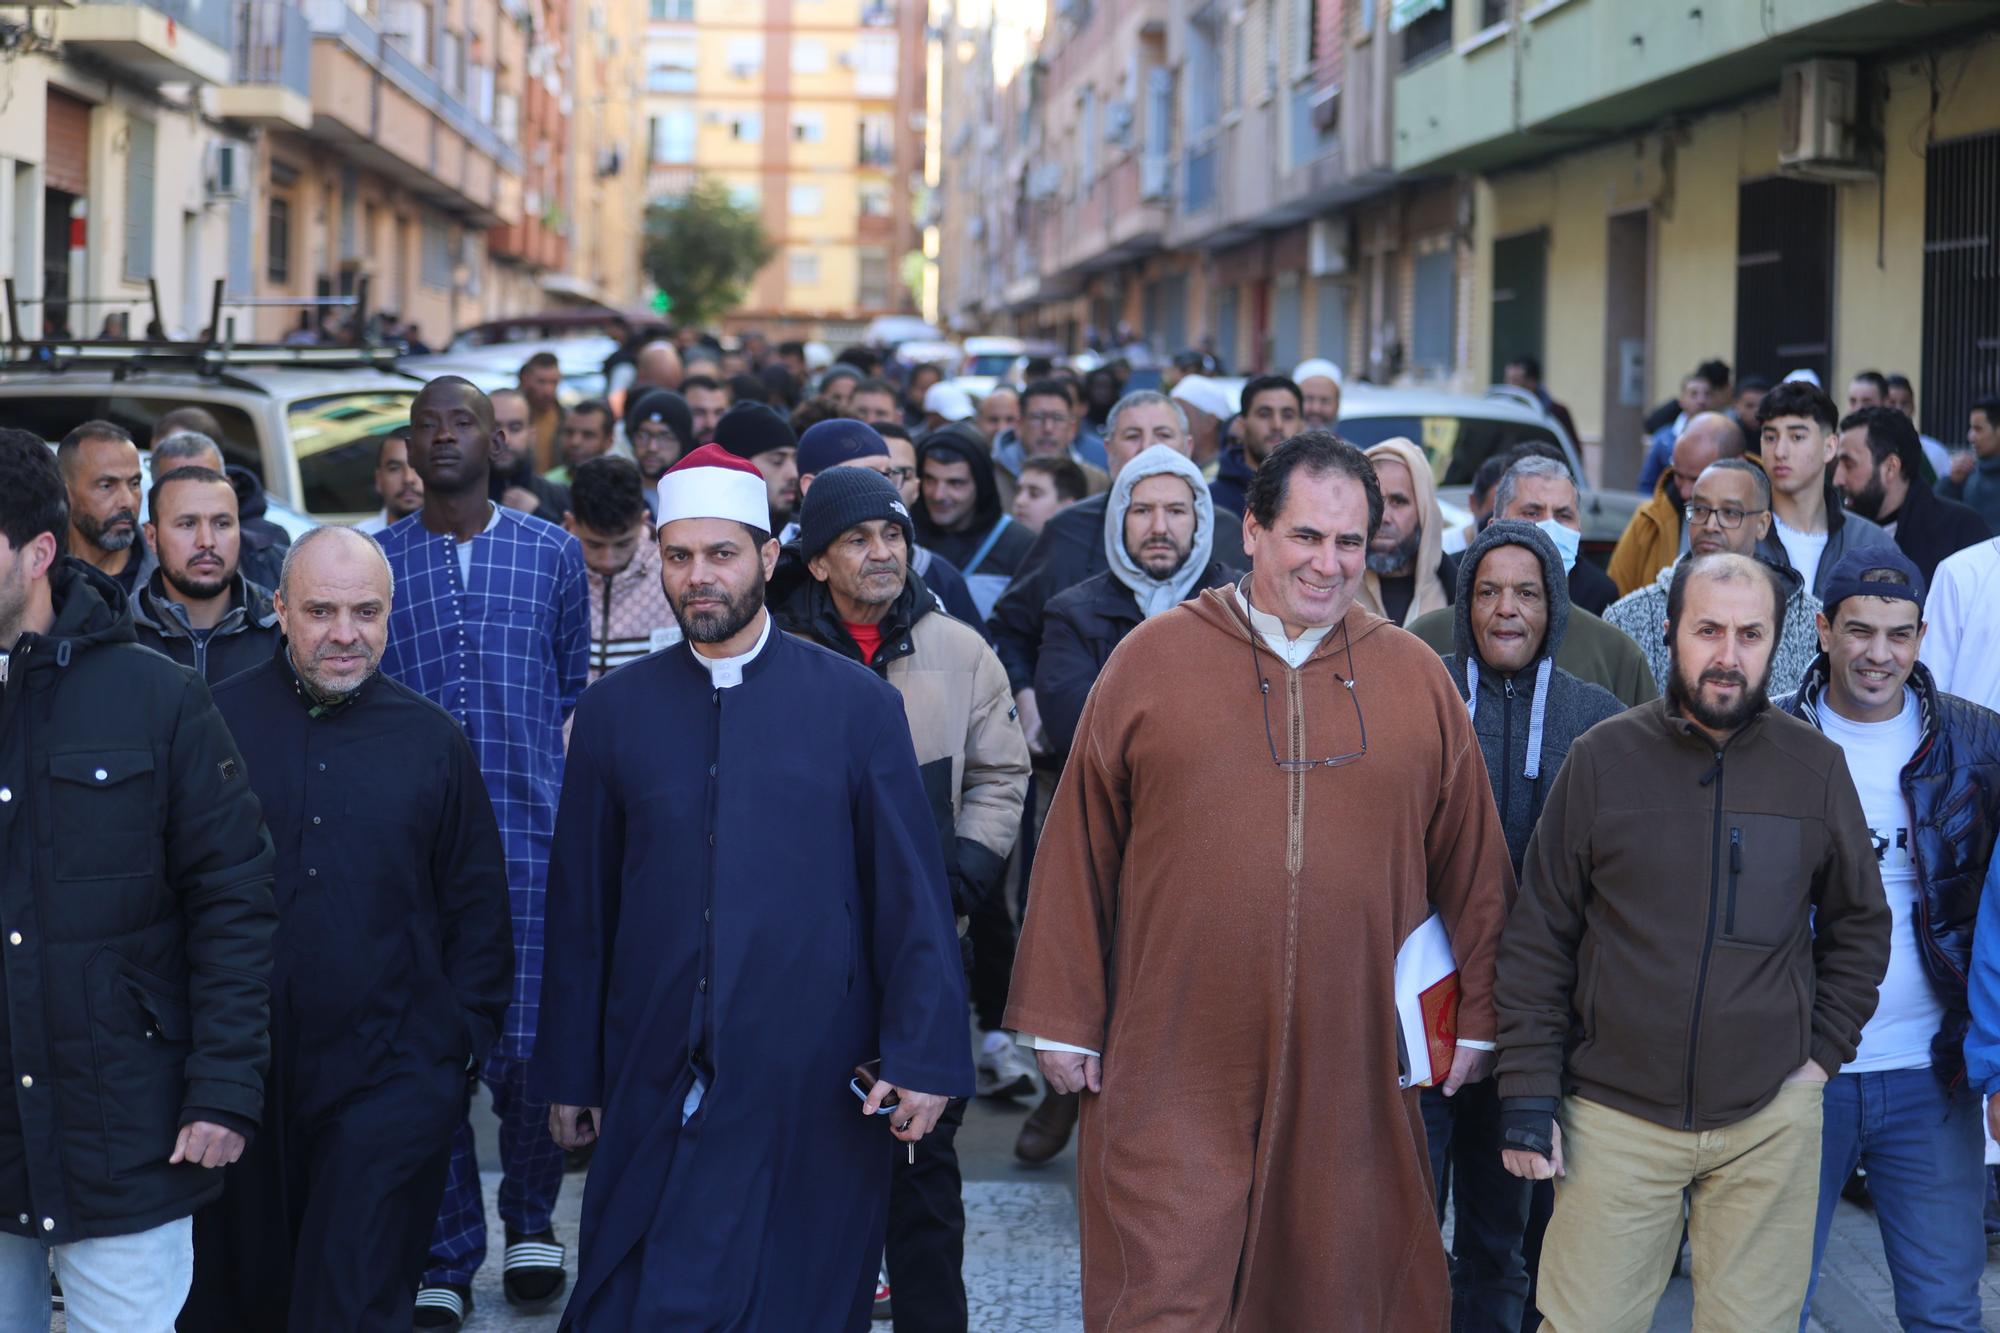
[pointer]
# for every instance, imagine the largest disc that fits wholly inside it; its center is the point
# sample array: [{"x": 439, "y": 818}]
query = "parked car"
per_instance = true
[
  {"x": 498, "y": 365},
  {"x": 309, "y": 421},
  {"x": 1459, "y": 431}
]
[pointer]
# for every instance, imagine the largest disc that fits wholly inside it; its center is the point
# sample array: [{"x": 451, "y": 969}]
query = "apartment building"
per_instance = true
[
  {"x": 812, "y": 113},
  {"x": 607, "y": 152},
  {"x": 1806, "y": 184},
  {"x": 1195, "y": 173}
]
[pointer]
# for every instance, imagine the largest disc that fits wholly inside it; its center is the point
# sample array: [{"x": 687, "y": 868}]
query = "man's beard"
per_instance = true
[
  {"x": 196, "y": 590},
  {"x": 1686, "y": 699},
  {"x": 1140, "y": 558},
  {"x": 93, "y": 530},
  {"x": 1869, "y": 503},
  {"x": 1673, "y": 493},
  {"x": 738, "y": 610},
  {"x": 329, "y": 691},
  {"x": 1397, "y": 563},
  {"x": 13, "y": 605}
]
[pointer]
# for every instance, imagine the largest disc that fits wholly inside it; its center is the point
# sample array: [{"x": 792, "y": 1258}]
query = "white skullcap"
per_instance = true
[
  {"x": 1318, "y": 368},
  {"x": 949, "y": 401},
  {"x": 1805, "y": 376},
  {"x": 711, "y": 482},
  {"x": 1205, "y": 395}
]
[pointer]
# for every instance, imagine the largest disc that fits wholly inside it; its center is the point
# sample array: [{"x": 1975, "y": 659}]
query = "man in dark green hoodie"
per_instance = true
[{"x": 1512, "y": 608}]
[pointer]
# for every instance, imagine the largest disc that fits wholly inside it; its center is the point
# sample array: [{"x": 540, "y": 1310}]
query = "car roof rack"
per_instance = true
[{"x": 212, "y": 355}]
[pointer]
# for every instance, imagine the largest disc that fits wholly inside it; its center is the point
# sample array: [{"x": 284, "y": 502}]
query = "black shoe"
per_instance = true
[
  {"x": 578, "y": 1159},
  {"x": 443, "y": 1306},
  {"x": 533, "y": 1275}
]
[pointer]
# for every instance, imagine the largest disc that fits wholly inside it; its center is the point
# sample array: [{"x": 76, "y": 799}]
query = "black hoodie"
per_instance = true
[
  {"x": 133, "y": 848},
  {"x": 991, "y": 549}
]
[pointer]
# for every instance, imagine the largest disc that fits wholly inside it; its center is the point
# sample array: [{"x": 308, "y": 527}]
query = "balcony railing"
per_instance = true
[
  {"x": 335, "y": 20},
  {"x": 212, "y": 20},
  {"x": 274, "y": 46}
]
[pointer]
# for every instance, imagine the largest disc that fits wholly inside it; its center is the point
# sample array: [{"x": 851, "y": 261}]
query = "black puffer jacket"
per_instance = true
[
  {"x": 261, "y": 557},
  {"x": 1952, "y": 784},
  {"x": 1081, "y": 626},
  {"x": 135, "y": 880}
]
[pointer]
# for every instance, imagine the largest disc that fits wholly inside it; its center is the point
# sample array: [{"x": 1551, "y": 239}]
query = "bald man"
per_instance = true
[
  {"x": 1652, "y": 539},
  {"x": 658, "y": 366},
  {"x": 393, "y": 968}
]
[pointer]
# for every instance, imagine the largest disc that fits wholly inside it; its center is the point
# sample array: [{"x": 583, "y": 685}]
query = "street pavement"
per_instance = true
[{"x": 1021, "y": 1247}]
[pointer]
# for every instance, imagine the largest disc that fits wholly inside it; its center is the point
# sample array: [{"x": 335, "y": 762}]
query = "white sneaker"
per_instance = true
[{"x": 1002, "y": 1070}]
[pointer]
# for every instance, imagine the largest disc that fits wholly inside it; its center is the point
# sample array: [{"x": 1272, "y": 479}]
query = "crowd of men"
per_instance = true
[{"x": 1123, "y": 741}]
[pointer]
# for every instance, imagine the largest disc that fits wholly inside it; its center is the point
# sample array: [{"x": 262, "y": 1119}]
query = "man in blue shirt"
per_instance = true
[{"x": 491, "y": 623}]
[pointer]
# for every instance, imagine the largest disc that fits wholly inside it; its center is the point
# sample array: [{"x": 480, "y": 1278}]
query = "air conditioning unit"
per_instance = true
[
  {"x": 1819, "y": 121},
  {"x": 714, "y": 117},
  {"x": 1156, "y": 177},
  {"x": 742, "y": 70},
  {"x": 844, "y": 59},
  {"x": 1327, "y": 246},
  {"x": 227, "y": 175}
]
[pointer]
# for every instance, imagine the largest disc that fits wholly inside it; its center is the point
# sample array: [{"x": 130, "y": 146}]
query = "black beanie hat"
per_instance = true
[
  {"x": 842, "y": 497},
  {"x": 749, "y": 429},
  {"x": 662, "y": 405}
]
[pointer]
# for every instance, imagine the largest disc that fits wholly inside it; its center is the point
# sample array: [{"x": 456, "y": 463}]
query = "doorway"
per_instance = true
[
  {"x": 1628, "y": 350},
  {"x": 58, "y": 246}
]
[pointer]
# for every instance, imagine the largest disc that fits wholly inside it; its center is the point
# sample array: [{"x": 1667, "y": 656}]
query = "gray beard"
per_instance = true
[{"x": 1397, "y": 563}]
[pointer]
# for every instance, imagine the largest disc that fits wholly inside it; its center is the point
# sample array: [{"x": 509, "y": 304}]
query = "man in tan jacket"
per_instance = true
[{"x": 863, "y": 602}]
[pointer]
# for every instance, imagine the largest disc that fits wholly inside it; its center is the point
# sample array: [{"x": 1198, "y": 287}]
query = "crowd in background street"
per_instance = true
[{"x": 736, "y": 773}]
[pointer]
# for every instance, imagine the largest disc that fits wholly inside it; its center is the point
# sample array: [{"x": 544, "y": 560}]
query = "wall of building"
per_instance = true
[{"x": 1685, "y": 178}]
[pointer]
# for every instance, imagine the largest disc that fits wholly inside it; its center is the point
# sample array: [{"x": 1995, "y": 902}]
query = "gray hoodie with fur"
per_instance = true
[{"x": 1526, "y": 722}]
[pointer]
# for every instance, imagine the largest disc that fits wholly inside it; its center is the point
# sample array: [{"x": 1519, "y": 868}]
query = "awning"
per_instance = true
[{"x": 1402, "y": 13}]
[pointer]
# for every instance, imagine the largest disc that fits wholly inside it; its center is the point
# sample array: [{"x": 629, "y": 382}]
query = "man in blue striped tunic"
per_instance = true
[{"x": 491, "y": 623}]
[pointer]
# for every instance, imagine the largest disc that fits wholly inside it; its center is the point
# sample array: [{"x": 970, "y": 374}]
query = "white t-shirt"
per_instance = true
[
  {"x": 1908, "y": 1014},
  {"x": 1803, "y": 549}
]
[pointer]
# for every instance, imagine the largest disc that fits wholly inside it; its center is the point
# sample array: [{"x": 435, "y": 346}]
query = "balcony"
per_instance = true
[
  {"x": 162, "y": 41},
  {"x": 383, "y": 110},
  {"x": 1592, "y": 71},
  {"x": 272, "y": 85}
]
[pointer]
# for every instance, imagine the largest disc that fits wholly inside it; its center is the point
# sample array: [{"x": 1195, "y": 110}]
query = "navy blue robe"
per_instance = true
[{"x": 745, "y": 882}]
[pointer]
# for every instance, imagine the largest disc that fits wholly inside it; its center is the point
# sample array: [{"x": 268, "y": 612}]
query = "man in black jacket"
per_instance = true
[
  {"x": 198, "y": 608},
  {"x": 395, "y": 961},
  {"x": 1927, "y": 767},
  {"x": 959, "y": 513},
  {"x": 135, "y": 888},
  {"x": 1071, "y": 548},
  {"x": 513, "y": 480},
  {"x": 189, "y": 435},
  {"x": 1880, "y": 471}
]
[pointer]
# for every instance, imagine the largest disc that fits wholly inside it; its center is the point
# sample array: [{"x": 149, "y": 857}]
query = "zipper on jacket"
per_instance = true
[
  {"x": 1707, "y": 947},
  {"x": 1506, "y": 748},
  {"x": 1735, "y": 870}
]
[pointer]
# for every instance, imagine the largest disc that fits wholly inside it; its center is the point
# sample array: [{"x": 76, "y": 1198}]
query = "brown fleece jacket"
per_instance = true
[{"x": 1693, "y": 923}]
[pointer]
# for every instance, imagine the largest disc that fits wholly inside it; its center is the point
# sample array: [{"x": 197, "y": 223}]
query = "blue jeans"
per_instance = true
[
  {"x": 115, "y": 1284},
  {"x": 1489, "y": 1278},
  {"x": 1925, "y": 1150}
]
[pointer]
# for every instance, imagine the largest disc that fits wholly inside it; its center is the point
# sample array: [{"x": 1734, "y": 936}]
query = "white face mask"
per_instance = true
[{"x": 1568, "y": 542}]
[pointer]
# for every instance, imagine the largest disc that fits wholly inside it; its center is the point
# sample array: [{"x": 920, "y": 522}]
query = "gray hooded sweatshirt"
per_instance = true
[{"x": 1525, "y": 722}]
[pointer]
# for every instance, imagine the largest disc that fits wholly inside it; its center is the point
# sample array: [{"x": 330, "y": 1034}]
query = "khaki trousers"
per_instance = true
[{"x": 1616, "y": 1231}]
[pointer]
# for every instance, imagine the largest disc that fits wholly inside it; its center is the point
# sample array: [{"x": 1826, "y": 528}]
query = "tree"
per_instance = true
[{"x": 702, "y": 250}]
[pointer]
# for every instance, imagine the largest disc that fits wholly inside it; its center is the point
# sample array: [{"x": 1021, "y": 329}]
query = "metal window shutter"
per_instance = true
[
  {"x": 139, "y": 201},
  {"x": 66, "y": 164}
]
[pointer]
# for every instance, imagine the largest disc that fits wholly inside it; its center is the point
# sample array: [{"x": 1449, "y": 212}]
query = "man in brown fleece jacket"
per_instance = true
[{"x": 1699, "y": 936}]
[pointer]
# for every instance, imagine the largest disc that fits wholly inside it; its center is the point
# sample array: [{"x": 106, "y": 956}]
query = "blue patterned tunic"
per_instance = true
[{"x": 507, "y": 653}]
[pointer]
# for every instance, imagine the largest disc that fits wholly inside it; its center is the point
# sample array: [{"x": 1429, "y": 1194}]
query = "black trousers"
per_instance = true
[
  {"x": 1489, "y": 1277},
  {"x": 325, "y": 1222},
  {"x": 926, "y": 1243}
]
